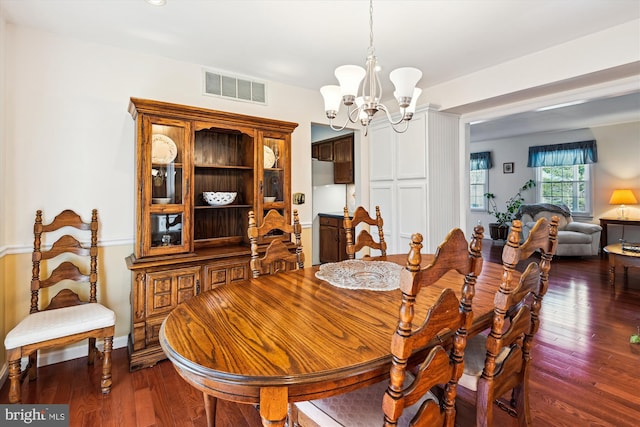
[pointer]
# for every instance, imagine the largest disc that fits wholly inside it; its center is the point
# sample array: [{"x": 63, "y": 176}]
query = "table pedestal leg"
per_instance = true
[
  {"x": 612, "y": 270},
  {"x": 210, "y": 409},
  {"x": 612, "y": 275},
  {"x": 274, "y": 404}
]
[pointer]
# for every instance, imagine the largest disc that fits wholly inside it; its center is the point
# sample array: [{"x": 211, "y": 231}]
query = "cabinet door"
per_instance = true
[
  {"x": 164, "y": 291},
  {"x": 163, "y": 193},
  {"x": 342, "y": 244},
  {"x": 274, "y": 182},
  {"x": 329, "y": 243},
  {"x": 325, "y": 151},
  {"x": 343, "y": 160}
]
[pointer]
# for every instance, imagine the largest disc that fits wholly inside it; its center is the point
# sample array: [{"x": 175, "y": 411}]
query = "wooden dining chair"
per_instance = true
[
  {"x": 277, "y": 256},
  {"x": 66, "y": 318},
  {"x": 364, "y": 239},
  {"x": 499, "y": 362},
  {"x": 412, "y": 397}
]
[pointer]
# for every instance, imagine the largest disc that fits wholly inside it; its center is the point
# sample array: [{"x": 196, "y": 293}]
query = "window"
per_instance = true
[
  {"x": 563, "y": 173},
  {"x": 479, "y": 183},
  {"x": 480, "y": 163},
  {"x": 570, "y": 185}
]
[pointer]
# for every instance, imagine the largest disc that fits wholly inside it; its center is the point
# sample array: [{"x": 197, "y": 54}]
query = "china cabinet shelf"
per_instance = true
[
  {"x": 222, "y": 206},
  {"x": 184, "y": 246}
]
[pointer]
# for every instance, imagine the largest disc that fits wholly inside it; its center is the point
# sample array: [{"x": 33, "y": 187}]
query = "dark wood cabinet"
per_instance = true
[
  {"x": 322, "y": 151},
  {"x": 183, "y": 245},
  {"x": 338, "y": 150},
  {"x": 343, "y": 160},
  {"x": 333, "y": 240}
]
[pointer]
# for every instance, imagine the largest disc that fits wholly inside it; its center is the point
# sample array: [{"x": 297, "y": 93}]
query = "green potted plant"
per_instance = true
[{"x": 499, "y": 230}]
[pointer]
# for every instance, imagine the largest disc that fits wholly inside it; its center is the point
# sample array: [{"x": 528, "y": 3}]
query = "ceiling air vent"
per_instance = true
[{"x": 233, "y": 87}]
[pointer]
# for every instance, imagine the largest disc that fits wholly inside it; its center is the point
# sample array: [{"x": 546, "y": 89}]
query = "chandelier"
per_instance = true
[{"x": 360, "y": 91}]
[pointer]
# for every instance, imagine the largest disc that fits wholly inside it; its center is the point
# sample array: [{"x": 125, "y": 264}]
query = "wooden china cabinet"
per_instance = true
[{"x": 184, "y": 246}]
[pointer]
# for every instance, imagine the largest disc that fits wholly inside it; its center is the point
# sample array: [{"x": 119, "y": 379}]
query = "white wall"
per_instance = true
[{"x": 617, "y": 167}]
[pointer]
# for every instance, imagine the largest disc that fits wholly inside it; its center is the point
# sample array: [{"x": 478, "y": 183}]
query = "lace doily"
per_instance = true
[{"x": 358, "y": 274}]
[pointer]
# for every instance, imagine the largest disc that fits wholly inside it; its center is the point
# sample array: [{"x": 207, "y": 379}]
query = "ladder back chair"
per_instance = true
[
  {"x": 277, "y": 256},
  {"x": 67, "y": 317},
  {"x": 413, "y": 399},
  {"x": 500, "y": 362},
  {"x": 364, "y": 239}
]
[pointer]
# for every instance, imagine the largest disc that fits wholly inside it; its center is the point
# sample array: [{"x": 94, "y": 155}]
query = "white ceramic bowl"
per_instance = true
[
  {"x": 269, "y": 199},
  {"x": 161, "y": 200},
  {"x": 219, "y": 198}
]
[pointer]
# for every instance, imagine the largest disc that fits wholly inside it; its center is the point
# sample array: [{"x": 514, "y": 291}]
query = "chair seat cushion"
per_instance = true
[
  {"x": 575, "y": 237},
  {"x": 359, "y": 408},
  {"x": 475, "y": 354},
  {"x": 61, "y": 322}
]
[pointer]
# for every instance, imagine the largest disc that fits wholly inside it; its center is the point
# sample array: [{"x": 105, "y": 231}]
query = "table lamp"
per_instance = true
[{"x": 622, "y": 198}]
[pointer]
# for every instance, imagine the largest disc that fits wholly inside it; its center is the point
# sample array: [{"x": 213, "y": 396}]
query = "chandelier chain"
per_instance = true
[{"x": 371, "y": 48}]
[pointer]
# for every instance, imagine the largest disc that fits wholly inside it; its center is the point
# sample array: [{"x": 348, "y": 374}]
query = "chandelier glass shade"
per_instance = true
[{"x": 360, "y": 91}]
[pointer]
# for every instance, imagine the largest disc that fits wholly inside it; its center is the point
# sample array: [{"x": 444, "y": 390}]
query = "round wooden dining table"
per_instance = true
[{"x": 292, "y": 337}]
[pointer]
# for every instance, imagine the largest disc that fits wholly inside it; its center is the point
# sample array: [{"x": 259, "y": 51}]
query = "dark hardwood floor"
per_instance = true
[{"x": 585, "y": 371}]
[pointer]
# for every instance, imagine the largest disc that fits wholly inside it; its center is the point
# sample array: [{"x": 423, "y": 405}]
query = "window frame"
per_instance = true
[
  {"x": 485, "y": 189},
  {"x": 588, "y": 191}
]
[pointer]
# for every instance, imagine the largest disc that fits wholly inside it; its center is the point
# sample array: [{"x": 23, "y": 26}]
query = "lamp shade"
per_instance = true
[
  {"x": 405, "y": 80},
  {"x": 414, "y": 100},
  {"x": 332, "y": 97},
  {"x": 622, "y": 197},
  {"x": 350, "y": 77}
]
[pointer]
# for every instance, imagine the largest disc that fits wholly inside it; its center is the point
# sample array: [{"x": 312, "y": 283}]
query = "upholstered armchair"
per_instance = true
[{"x": 574, "y": 238}]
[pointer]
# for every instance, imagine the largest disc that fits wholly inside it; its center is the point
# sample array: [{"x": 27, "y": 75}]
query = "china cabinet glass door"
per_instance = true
[
  {"x": 166, "y": 193},
  {"x": 274, "y": 183}
]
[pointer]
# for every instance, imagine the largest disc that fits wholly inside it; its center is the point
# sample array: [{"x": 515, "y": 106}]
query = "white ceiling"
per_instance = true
[
  {"x": 301, "y": 42},
  {"x": 593, "y": 113}
]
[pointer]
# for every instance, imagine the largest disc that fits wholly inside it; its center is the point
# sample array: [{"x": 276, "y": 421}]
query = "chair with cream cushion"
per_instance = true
[
  {"x": 406, "y": 398},
  {"x": 500, "y": 362},
  {"x": 277, "y": 256},
  {"x": 67, "y": 318},
  {"x": 364, "y": 239}
]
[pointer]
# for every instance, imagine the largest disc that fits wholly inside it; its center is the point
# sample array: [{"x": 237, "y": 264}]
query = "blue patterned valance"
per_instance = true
[
  {"x": 572, "y": 153},
  {"x": 481, "y": 160}
]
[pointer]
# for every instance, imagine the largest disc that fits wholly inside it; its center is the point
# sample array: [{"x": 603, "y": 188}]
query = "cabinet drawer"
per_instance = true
[
  {"x": 166, "y": 289},
  {"x": 221, "y": 273},
  {"x": 330, "y": 221}
]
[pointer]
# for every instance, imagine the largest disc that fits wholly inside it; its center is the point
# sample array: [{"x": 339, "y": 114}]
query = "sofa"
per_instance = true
[{"x": 574, "y": 238}]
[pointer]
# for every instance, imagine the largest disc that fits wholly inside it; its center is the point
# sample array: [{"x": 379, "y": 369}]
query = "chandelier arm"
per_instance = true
[
  {"x": 398, "y": 129},
  {"x": 350, "y": 112},
  {"x": 337, "y": 129},
  {"x": 353, "y": 114},
  {"x": 400, "y": 120}
]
